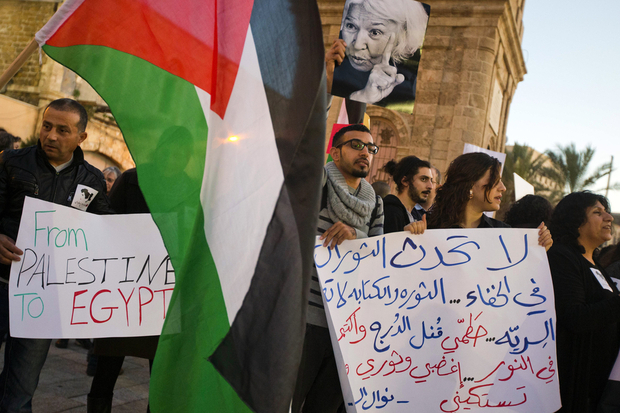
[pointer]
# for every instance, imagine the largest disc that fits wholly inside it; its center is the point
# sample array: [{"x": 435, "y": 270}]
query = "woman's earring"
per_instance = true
[{"x": 471, "y": 194}]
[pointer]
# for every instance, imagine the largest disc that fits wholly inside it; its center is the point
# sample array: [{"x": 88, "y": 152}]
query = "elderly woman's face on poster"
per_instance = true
[{"x": 367, "y": 37}]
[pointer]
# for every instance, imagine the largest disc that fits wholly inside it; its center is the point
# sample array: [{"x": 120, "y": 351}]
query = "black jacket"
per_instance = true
[
  {"x": 395, "y": 216},
  {"x": 27, "y": 172},
  {"x": 588, "y": 328},
  {"x": 126, "y": 198},
  {"x": 486, "y": 222}
]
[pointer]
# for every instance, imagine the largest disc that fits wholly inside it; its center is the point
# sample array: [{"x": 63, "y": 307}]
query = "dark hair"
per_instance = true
[
  {"x": 381, "y": 188},
  {"x": 70, "y": 105},
  {"x": 437, "y": 177},
  {"x": 453, "y": 196},
  {"x": 355, "y": 127},
  {"x": 609, "y": 255},
  {"x": 529, "y": 212},
  {"x": 6, "y": 140},
  {"x": 406, "y": 168},
  {"x": 570, "y": 213}
]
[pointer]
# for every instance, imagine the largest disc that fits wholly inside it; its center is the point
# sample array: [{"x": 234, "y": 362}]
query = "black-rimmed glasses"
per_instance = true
[{"x": 359, "y": 145}]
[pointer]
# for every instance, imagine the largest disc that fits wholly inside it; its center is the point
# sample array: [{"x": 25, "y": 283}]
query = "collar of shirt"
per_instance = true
[{"x": 64, "y": 165}]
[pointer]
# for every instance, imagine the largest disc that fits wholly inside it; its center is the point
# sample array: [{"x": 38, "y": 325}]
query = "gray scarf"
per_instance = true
[{"x": 353, "y": 210}]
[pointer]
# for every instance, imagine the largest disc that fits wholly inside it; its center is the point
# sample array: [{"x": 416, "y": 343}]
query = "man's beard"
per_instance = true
[
  {"x": 359, "y": 173},
  {"x": 415, "y": 195}
]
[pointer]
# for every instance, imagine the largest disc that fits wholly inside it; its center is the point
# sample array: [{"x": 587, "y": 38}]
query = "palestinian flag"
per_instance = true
[{"x": 222, "y": 105}]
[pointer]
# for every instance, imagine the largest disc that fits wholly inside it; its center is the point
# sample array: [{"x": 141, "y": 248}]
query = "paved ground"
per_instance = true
[{"x": 63, "y": 385}]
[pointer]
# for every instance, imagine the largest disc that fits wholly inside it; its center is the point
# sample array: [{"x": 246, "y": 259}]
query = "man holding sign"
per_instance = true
[
  {"x": 54, "y": 170},
  {"x": 350, "y": 209}
]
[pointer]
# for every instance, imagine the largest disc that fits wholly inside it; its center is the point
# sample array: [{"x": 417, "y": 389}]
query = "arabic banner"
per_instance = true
[
  {"x": 449, "y": 321},
  {"x": 87, "y": 276}
]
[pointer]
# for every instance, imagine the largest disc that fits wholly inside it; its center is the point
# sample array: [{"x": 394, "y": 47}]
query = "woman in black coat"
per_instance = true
[{"x": 586, "y": 300}]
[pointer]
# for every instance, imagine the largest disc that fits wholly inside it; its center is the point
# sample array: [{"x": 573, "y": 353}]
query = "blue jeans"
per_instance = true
[{"x": 23, "y": 361}]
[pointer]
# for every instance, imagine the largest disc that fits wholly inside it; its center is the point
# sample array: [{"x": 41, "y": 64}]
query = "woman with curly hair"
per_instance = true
[{"x": 586, "y": 300}]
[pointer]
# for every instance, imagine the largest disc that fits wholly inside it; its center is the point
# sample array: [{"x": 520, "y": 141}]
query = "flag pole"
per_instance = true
[{"x": 18, "y": 63}]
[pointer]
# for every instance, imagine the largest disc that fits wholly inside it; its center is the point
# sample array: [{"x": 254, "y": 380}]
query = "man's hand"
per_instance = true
[
  {"x": 382, "y": 80},
  {"x": 338, "y": 233},
  {"x": 8, "y": 251},
  {"x": 333, "y": 55},
  {"x": 544, "y": 236},
  {"x": 418, "y": 227}
]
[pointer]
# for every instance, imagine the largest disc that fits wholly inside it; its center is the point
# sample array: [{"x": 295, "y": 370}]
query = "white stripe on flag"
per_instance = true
[
  {"x": 57, "y": 20},
  {"x": 242, "y": 179}
]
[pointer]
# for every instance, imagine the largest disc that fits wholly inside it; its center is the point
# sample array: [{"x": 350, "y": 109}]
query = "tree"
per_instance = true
[
  {"x": 526, "y": 163},
  {"x": 571, "y": 166}
]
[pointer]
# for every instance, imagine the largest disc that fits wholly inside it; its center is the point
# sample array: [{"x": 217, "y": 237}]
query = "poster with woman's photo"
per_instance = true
[{"x": 383, "y": 43}]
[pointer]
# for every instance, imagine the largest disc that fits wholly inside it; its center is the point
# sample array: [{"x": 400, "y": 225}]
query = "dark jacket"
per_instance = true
[
  {"x": 126, "y": 198},
  {"x": 588, "y": 333},
  {"x": 395, "y": 216},
  {"x": 27, "y": 172},
  {"x": 487, "y": 222}
]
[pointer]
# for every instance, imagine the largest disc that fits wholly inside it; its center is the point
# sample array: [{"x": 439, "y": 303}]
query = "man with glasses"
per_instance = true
[{"x": 350, "y": 209}]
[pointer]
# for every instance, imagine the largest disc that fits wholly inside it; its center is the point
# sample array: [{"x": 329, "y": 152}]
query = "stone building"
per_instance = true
[
  {"x": 35, "y": 85},
  {"x": 471, "y": 64}
]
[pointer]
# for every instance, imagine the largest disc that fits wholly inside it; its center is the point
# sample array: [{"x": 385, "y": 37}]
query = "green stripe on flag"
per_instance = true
[{"x": 165, "y": 129}]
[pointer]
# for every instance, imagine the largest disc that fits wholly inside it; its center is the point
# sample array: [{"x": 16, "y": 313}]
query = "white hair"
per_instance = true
[{"x": 410, "y": 16}]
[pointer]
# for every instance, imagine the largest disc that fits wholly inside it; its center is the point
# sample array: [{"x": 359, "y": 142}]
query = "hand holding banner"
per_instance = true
[
  {"x": 85, "y": 275},
  {"x": 447, "y": 321}
]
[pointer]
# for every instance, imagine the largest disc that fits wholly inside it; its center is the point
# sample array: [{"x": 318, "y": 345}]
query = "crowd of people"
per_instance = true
[
  {"x": 588, "y": 336},
  {"x": 587, "y": 299}
]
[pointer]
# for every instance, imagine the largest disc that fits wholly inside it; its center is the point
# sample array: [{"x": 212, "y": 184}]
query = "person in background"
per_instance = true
[
  {"x": 529, "y": 212},
  {"x": 381, "y": 188},
  {"x": 414, "y": 181},
  {"x": 587, "y": 302},
  {"x": 610, "y": 260},
  {"x": 426, "y": 205},
  {"x": 111, "y": 174},
  {"x": 17, "y": 142},
  {"x": 6, "y": 141}
]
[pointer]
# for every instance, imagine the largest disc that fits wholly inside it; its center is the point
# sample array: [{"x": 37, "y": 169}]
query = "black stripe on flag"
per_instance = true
[{"x": 260, "y": 355}]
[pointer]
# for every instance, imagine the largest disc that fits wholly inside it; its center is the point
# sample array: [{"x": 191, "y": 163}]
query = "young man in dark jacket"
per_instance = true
[
  {"x": 54, "y": 170},
  {"x": 414, "y": 182}
]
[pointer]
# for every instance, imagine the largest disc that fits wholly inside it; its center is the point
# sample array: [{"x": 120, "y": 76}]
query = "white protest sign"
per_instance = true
[
  {"x": 522, "y": 187},
  {"x": 86, "y": 276},
  {"x": 448, "y": 321}
]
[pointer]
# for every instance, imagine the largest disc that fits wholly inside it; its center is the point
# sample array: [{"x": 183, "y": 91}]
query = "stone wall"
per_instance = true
[
  {"x": 38, "y": 84},
  {"x": 20, "y": 21}
]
